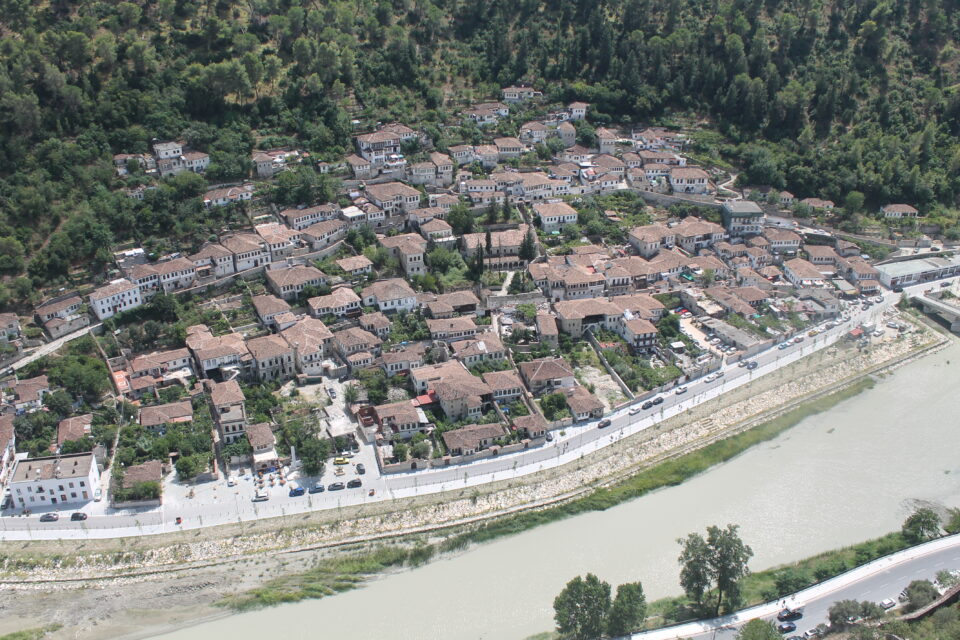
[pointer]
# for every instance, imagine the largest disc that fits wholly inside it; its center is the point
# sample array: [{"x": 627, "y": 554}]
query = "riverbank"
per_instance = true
[
  {"x": 180, "y": 590},
  {"x": 335, "y": 575},
  {"x": 760, "y": 587}
]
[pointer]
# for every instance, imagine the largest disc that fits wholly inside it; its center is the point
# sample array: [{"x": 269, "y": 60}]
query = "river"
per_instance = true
[{"x": 837, "y": 478}]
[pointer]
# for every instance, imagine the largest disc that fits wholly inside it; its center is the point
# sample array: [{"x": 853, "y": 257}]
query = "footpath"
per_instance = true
[{"x": 801, "y": 598}]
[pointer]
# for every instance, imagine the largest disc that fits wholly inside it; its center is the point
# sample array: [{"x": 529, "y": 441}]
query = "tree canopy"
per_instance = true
[{"x": 719, "y": 561}]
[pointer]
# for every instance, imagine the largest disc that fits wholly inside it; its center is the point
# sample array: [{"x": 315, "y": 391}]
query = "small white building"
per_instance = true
[
  {"x": 55, "y": 480},
  {"x": 116, "y": 297},
  {"x": 555, "y": 216}
]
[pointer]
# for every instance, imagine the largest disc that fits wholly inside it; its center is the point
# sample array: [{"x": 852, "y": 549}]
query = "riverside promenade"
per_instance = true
[{"x": 877, "y": 580}]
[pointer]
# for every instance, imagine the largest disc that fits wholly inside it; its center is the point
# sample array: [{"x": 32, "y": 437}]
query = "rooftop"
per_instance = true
[{"x": 47, "y": 468}]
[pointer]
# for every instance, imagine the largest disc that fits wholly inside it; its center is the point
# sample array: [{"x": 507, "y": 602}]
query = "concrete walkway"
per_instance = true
[
  {"x": 804, "y": 597},
  {"x": 50, "y": 347}
]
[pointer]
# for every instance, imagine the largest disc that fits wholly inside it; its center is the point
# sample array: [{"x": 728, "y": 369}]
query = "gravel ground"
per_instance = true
[
  {"x": 606, "y": 389},
  {"x": 190, "y": 571}
]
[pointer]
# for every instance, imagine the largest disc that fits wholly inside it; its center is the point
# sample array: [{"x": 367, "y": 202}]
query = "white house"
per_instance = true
[
  {"x": 120, "y": 295},
  {"x": 390, "y": 295},
  {"x": 228, "y": 195},
  {"x": 55, "y": 480},
  {"x": 554, "y": 216}
]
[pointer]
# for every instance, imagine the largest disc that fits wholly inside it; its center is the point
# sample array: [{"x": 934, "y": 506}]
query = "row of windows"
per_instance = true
[{"x": 40, "y": 488}]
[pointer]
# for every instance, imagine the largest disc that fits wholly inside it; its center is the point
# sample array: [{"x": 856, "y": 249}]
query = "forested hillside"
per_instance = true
[{"x": 820, "y": 97}]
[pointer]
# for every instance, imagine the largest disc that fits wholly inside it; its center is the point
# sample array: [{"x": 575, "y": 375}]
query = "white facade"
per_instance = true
[
  {"x": 54, "y": 481},
  {"x": 118, "y": 296}
]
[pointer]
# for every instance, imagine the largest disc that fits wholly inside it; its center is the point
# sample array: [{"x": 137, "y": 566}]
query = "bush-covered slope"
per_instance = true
[{"x": 819, "y": 97}]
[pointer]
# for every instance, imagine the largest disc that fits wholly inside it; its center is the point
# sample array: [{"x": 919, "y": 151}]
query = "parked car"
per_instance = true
[
  {"x": 231, "y": 481},
  {"x": 888, "y": 603},
  {"x": 711, "y": 377},
  {"x": 603, "y": 423},
  {"x": 361, "y": 469},
  {"x": 635, "y": 410},
  {"x": 340, "y": 461},
  {"x": 296, "y": 492},
  {"x": 783, "y": 345},
  {"x": 78, "y": 516},
  {"x": 742, "y": 363},
  {"x": 798, "y": 339},
  {"x": 549, "y": 437},
  {"x": 646, "y": 405},
  {"x": 50, "y": 517},
  {"x": 811, "y": 633},
  {"x": 752, "y": 365},
  {"x": 98, "y": 495},
  {"x": 336, "y": 486},
  {"x": 331, "y": 392},
  {"x": 261, "y": 497},
  {"x": 317, "y": 488},
  {"x": 657, "y": 400},
  {"x": 353, "y": 484},
  {"x": 681, "y": 390},
  {"x": 786, "y": 627},
  {"x": 788, "y": 615}
]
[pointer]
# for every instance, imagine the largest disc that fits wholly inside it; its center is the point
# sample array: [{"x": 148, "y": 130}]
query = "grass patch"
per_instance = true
[
  {"x": 669, "y": 473},
  {"x": 330, "y": 576},
  {"x": 31, "y": 634}
]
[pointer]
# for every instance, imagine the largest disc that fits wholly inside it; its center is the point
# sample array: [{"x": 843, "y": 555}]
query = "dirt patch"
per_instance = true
[{"x": 605, "y": 388}]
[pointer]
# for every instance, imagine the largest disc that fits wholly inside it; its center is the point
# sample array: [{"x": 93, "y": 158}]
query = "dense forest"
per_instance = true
[{"x": 822, "y": 97}]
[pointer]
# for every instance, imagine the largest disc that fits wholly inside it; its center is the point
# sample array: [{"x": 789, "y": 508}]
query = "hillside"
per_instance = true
[{"x": 822, "y": 98}]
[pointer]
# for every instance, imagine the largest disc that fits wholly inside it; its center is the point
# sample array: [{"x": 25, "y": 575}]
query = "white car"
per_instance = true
[
  {"x": 888, "y": 603},
  {"x": 681, "y": 390},
  {"x": 711, "y": 377},
  {"x": 231, "y": 481},
  {"x": 634, "y": 411}
]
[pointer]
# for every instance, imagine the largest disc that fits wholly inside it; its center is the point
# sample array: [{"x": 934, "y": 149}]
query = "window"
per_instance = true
[{"x": 82, "y": 484}]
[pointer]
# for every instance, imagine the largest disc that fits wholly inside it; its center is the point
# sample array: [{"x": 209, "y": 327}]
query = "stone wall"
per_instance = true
[
  {"x": 664, "y": 200},
  {"x": 450, "y": 461},
  {"x": 498, "y": 302}
]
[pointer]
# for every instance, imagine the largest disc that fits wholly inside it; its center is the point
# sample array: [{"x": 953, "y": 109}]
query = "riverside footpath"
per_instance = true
[{"x": 877, "y": 580}]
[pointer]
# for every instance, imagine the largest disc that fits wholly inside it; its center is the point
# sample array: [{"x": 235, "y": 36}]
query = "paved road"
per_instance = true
[
  {"x": 50, "y": 347},
  {"x": 876, "y": 581},
  {"x": 229, "y": 505}
]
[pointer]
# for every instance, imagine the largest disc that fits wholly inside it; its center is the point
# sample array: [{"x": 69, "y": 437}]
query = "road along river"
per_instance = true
[{"x": 839, "y": 477}]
